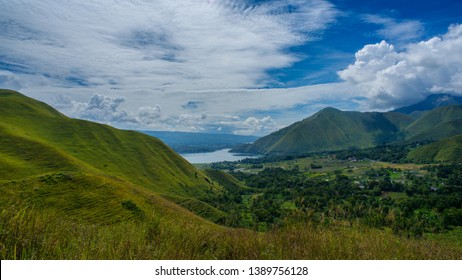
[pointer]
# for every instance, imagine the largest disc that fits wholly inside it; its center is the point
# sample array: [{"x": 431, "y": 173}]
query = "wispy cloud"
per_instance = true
[
  {"x": 168, "y": 45},
  {"x": 185, "y": 65},
  {"x": 397, "y": 31},
  {"x": 201, "y": 65}
]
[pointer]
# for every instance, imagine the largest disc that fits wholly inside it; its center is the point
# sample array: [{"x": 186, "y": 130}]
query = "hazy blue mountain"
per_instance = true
[
  {"x": 189, "y": 142},
  {"x": 431, "y": 102}
]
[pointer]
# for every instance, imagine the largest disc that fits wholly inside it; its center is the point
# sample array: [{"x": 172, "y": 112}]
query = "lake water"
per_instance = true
[{"x": 220, "y": 155}]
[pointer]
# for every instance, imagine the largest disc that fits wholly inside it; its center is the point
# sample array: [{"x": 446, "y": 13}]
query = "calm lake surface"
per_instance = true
[{"x": 220, "y": 155}]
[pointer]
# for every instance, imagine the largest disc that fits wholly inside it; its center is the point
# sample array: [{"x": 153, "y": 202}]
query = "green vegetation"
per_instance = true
[
  {"x": 226, "y": 180},
  {"x": 408, "y": 199},
  {"x": 76, "y": 216},
  {"x": 444, "y": 150},
  {"x": 73, "y": 189},
  {"x": 409, "y": 204},
  {"x": 25, "y": 234}
]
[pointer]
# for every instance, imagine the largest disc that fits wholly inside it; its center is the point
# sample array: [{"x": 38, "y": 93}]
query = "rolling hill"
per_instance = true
[
  {"x": 36, "y": 140},
  {"x": 331, "y": 129},
  {"x": 445, "y": 150}
]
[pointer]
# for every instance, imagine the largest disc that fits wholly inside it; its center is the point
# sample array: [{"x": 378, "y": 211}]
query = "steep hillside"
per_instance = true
[
  {"x": 88, "y": 198},
  {"x": 436, "y": 124},
  {"x": 332, "y": 129},
  {"x": 226, "y": 180},
  {"x": 36, "y": 139},
  {"x": 445, "y": 150}
]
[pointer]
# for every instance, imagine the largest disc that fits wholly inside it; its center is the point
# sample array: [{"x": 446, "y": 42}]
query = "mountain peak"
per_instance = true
[{"x": 330, "y": 109}]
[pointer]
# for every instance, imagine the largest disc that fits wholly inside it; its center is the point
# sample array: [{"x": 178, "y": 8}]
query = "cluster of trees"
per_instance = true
[
  {"x": 387, "y": 153},
  {"x": 411, "y": 205}
]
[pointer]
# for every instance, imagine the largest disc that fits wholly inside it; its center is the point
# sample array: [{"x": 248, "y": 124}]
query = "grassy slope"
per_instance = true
[
  {"x": 445, "y": 150},
  {"x": 87, "y": 198},
  {"x": 73, "y": 215},
  {"x": 28, "y": 234},
  {"x": 226, "y": 180},
  {"x": 37, "y": 139}
]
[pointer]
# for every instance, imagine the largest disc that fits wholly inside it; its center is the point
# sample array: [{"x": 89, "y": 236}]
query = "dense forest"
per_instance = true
[{"x": 410, "y": 205}]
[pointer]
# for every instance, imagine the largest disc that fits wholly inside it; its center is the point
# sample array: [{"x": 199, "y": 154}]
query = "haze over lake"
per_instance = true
[{"x": 216, "y": 156}]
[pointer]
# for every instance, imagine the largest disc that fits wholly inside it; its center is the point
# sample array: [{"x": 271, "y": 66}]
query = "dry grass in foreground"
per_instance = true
[{"x": 26, "y": 234}]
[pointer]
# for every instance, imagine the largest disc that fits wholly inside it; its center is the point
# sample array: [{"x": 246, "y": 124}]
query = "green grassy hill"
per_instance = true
[
  {"x": 36, "y": 139},
  {"x": 331, "y": 129},
  {"x": 87, "y": 198},
  {"x": 445, "y": 150},
  {"x": 226, "y": 180}
]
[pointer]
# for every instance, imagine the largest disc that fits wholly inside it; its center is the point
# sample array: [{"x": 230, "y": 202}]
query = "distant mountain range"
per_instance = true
[
  {"x": 331, "y": 129},
  {"x": 431, "y": 102},
  {"x": 188, "y": 142}
]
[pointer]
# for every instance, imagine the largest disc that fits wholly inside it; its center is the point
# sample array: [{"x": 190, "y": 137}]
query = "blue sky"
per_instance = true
[{"x": 244, "y": 67}]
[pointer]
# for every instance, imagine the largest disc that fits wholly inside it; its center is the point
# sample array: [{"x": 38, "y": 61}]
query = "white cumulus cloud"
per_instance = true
[
  {"x": 391, "y": 78},
  {"x": 103, "y": 108},
  {"x": 106, "y": 109},
  {"x": 149, "y": 115},
  {"x": 253, "y": 125}
]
